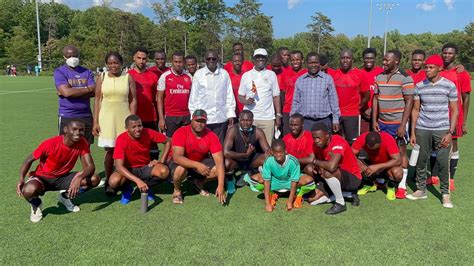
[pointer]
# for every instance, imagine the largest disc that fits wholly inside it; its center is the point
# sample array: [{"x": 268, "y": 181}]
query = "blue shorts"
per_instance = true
[{"x": 392, "y": 130}]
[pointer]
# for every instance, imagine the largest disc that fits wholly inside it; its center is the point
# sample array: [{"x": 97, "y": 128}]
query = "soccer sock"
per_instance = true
[
  {"x": 390, "y": 184},
  {"x": 35, "y": 202},
  {"x": 403, "y": 183},
  {"x": 434, "y": 164},
  {"x": 453, "y": 164},
  {"x": 335, "y": 186},
  {"x": 306, "y": 188},
  {"x": 321, "y": 200}
]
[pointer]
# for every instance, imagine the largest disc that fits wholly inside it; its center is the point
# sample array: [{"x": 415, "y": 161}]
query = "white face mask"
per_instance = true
[{"x": 72, "y": 61}]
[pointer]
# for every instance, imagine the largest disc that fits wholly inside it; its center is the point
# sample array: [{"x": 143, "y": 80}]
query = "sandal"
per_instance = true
[
  {"x": 177, "y": 199},
  {"x": 199, "y": 189}
]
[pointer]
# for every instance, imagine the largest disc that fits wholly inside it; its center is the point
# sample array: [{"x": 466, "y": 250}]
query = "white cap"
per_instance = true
[{"x": 260, "y": 51}]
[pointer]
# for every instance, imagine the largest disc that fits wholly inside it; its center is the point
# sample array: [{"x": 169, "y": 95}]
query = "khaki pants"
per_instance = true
[{"x": 268, "y": 127}]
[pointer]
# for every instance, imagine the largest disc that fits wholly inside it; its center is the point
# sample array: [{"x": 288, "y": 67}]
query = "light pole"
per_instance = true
[
  {"x": 387, "y": 7},
  {"x": 370, "y": 25},
  {"x": 39, "y": 36}
]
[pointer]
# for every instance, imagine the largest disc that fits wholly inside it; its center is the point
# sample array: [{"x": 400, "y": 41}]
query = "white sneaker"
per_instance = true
[
  {"x": 417, "y": 195},
  {"x": 447, "y": 203},
  {"x": 101, "y": 183},
  {"x": 68, "y": 204},
  {"x": 36, "y": 214}
]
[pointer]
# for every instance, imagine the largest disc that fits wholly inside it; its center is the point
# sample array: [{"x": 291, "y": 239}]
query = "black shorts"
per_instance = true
[
  {"x": 150, "y": 124},
  {"x": 349, "y": 182},
  {"x": 246, "y": 165},
  {"x": 53, "y": 184},
  {"x": 175, "y": 122},
  {"x": 209, "y": 162},
  {"x": 350, "y": 127},
  {"x": 144, "y": 173},
  {"x": 88, "y": 122},
  {"x": 220, "y": 129}
]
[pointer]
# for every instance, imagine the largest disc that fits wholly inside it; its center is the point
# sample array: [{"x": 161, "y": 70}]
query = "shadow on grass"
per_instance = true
[{"x": 55, "y": 210}]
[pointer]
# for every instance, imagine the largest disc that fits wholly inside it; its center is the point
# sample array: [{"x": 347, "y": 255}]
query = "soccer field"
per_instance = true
[{"x": 203, "y": 232}]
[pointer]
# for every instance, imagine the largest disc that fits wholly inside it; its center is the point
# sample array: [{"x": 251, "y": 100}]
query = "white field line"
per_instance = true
[{"x": 15, "y": 92}]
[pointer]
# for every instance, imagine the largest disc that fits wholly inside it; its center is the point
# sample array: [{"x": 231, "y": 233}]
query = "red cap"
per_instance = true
[{"x": 435, "y": 59}]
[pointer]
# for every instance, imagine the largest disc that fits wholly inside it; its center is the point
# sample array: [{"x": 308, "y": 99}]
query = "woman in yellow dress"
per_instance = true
[{"x": 115, "y": 99}]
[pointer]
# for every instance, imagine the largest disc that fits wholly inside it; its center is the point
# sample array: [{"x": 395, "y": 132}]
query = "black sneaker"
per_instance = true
[
  {"x": 355, "y": 200},
  {"x": 336, "y": 208}
]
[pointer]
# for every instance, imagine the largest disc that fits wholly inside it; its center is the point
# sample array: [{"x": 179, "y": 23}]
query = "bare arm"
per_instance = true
[
  {"x": 307, "y": 160},
  {"x": 25, "y": 167},
  {"x": 97, "y": 103},
  {"x": 160, "y": 96},
  {"x": 331, "y": 165},
  {"x": 88, "y": 166},
  {"x": 364, "y": 99},
  {"x": 375, "y": 112},
  {"x": 395, "y": 160},
  {"x": 466, "y": 97},
  {"x": 406, "y": 114},
  {"x": 219, "y": 161},
  {"x": 178, "y": 157},
  {"x": 132, "y": 96},
  {"x": 266, "y": 193},
  {"x": 415, "y": 112},
  {"x": 166, "y": 150}
]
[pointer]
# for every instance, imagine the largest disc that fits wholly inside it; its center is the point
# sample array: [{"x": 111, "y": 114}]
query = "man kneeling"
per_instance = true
[
  {"x": 58, "y": 156},
  {"x": 281, "y": 173},
  {"x": 336, "y": 166},
  {"x": 245, "y": 146},
  {"x": 192, "y": 145},
  {"x": 132, "y": 159},
  {"x": 384, "y": 161}
]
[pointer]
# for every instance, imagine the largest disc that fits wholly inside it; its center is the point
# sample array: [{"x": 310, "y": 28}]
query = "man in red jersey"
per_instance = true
[
  {"x": 160, "y": 63},
  {"x": 276, "y": 65},
  {"x": 336, "y": 166},
  {"x": 58, "y": 156},
  {"x": 235, "y": 77},
  {"x": 353, "y": 94},
  {"x": 238, "y": 48},
  {"x": 289, "y": 78},
  {"x": 174, "y": 88},
  {"x": 284, "y": 52},
  {"x": 417, "y": 71},
  {"x": 383, "y": 161},
  {"x": 370, "y": 71},
  {"x": 197, "y": 151},
  {"x": 132, "y": 159},
  {"x": 299, "y": 143},
  {"x": 462, "y": 80}
]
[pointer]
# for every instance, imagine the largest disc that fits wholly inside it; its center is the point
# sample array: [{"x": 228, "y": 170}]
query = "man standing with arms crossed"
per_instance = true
[{"x": 75, "y": 86}]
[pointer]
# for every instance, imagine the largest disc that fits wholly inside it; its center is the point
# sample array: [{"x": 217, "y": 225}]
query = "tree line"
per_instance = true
[{"x": 187, "y": 25}]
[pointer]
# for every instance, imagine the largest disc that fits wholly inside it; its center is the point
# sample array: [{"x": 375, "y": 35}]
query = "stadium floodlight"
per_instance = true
[
  {"x": 387, "y": 7},
  {"x": 39, "y": 36}
]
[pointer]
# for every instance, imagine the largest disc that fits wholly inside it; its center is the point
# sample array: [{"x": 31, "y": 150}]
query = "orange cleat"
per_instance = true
[
  {"x": 298, "y": 202},
  {"x": 401, "y": 193},
  {"x": 274, "y": 199}
]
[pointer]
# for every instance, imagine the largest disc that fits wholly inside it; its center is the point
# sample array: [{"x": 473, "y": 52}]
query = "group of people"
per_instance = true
[{"x": 317, "y": 134}]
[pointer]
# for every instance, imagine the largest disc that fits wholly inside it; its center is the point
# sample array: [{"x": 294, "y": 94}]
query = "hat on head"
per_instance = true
[
  {"x": 260, "y": 51},
  {"x": 435, "y": 59},
  {"x": 200, "y": 114}
]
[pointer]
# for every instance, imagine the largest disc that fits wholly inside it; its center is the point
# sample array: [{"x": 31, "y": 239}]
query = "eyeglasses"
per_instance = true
[{"x": 211, "y": 59}]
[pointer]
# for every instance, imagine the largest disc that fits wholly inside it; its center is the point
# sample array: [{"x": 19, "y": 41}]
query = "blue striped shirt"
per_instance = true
[{"x": 316, "y": 97}]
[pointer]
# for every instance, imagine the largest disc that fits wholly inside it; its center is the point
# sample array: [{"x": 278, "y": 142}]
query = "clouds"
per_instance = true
[
  {"x": 449, "y": 4},
  {"x": 429, "y": 6},
  {"x": 293, "y": 3},
  {"x": 425, "y": 6}
]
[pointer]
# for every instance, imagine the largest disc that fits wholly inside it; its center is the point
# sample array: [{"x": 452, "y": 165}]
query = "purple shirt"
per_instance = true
[{"x": 78, "y": 77}]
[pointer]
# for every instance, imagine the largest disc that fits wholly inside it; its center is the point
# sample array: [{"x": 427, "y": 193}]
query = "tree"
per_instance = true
[
  {"x": 20, "y": 48},
  {"x": 320, "y": 27}
]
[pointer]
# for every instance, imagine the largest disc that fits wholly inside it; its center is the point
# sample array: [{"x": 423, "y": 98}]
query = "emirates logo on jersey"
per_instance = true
[{"x": 180, "y": 89}]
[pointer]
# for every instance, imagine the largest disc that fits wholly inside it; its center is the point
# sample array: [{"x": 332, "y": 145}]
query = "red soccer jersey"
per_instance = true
[
  {"x": 136, "y": 152},
  {"x": 196, "y": 148},
  {"x": 157, "y": 71},
  {"x": 300, "y": 147},
  {"x": 463, "y": 85},
  {"x": 417, "y": 77},
  {"x": 246, "y": 66},
  {"x": 177, "y": 89},
  {"x": 235, "y": 80},
  {"x": 146, "y": 94},
  {"x": 56, "y": 158},
  {"x": 289, "y": 78},
  {"x": 338, "y": 145},
  {"x": 370, "y": 77},
  {"x": 348, "y": 86},
  {"x": 388, "y": 146}
]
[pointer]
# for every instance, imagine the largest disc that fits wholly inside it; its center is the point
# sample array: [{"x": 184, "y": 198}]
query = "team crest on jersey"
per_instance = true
[
  {"x": 186, "y": 79},
  {"x": 77, "y": 76}
]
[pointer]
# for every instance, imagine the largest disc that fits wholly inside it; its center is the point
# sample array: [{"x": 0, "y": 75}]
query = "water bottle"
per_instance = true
[{"x": 144, "y": 200}]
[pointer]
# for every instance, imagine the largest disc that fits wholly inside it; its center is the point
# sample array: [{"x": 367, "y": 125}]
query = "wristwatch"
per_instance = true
[{"x": 279, "y": 115}]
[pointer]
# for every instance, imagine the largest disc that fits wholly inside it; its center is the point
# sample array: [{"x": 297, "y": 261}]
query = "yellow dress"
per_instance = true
[{"x": 114, "y": 109}]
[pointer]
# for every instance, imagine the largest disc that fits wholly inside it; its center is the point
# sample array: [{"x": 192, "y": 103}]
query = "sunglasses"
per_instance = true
[{"x": 211, "y": 59}]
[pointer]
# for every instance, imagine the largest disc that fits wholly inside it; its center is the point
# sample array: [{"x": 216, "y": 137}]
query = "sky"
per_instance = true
[{"x": 350, "y": 17}]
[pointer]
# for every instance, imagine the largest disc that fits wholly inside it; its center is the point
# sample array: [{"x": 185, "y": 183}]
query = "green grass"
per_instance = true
[{"x": 201, "y": 231}]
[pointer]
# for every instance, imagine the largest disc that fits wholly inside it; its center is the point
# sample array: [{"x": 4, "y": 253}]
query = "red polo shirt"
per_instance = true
[
  {"x": 196, "y": 148},
  {"x": 348, "y": 87}
]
